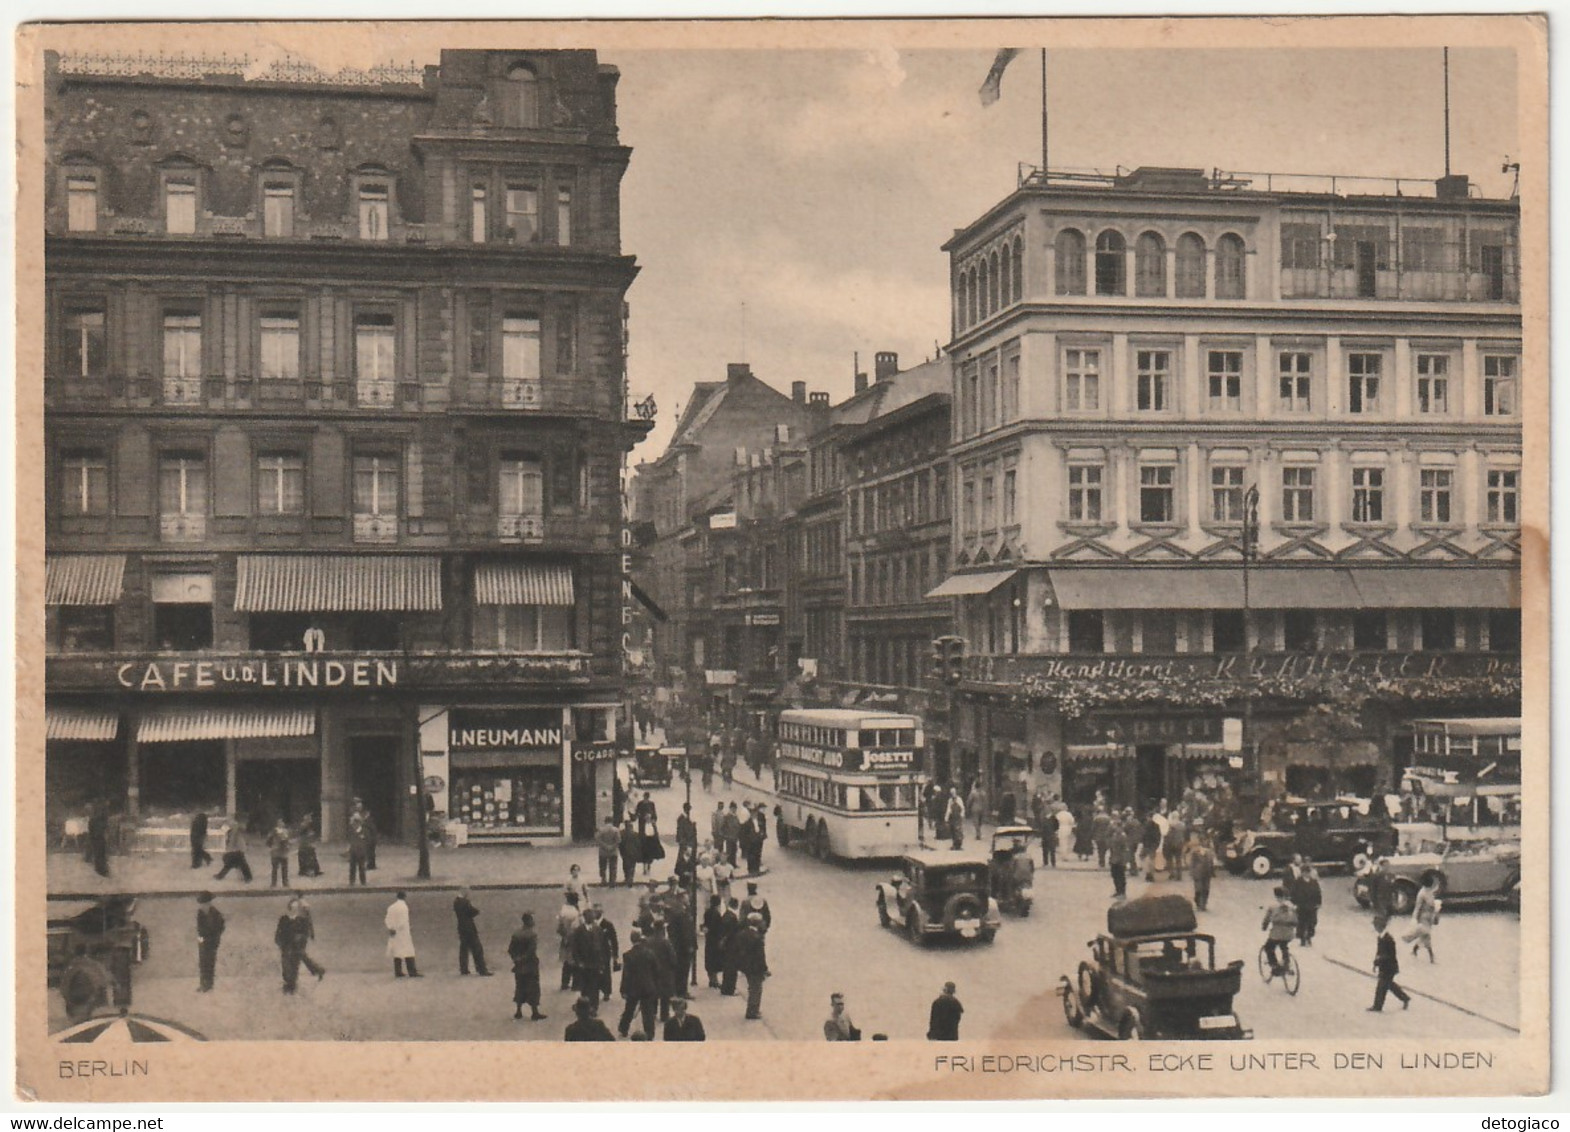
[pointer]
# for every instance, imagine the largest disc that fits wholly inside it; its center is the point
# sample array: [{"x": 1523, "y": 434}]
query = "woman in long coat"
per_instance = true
[
  {"x": 714, "y": 938},
  {"x": 1084, "y": 844},
  {"x": 400, "y": 937}
]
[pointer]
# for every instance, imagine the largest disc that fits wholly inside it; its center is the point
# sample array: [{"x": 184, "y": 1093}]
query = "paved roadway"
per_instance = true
[{"x": 825, "y": 938}]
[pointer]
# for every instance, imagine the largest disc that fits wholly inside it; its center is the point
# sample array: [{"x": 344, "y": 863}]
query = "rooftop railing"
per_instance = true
[{"x": 281, "y": 69}]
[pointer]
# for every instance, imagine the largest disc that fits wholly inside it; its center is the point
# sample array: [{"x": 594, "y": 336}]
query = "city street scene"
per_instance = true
[{"x": 650, "y": 545}]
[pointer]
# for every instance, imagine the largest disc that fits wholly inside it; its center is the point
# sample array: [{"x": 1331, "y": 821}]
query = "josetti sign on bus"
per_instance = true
[{"x": 847, "y": 759}]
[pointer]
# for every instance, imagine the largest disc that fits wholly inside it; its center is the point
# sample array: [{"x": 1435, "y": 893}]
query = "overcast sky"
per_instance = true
[{"x": 816, "y": 187}]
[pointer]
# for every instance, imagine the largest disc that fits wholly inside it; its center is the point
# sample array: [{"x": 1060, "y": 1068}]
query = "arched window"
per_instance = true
[
  {"x": 975, "y": 299},
  {"x": 1190, "y": 267},
  {"x": 1110, "y": 264},
  {"x": 997, "y": 284},
  {"x": 985, "y": 279},
  {"x": 961, "y": 296},
  {"x": 1069, "y": 251},
  {"x": 1019, "y": 269},
  {"x": 523, "y": 96},
  {"x": 1150, "y": 266},
  {"x": 1006, "y": 275},
  {"x": 1231, "y": 281}
]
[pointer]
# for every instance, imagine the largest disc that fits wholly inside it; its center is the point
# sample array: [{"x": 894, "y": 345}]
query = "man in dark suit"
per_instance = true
[
  {"x": 209, "y": 932},
  {"x": 610, "y": 954},
  {"x": 730, "y": 927},
  {"x": 686, "y": 828},
  {"x": 943, "y": 1022},
  {"x": 681, "y": 1026},
  {"x": 524, "y": 950},
  {"x": 200, "y": 857},
  {"x": 468, "y": 934},
  {"x": 588, "y": 957},
  {"x": 752, "y": 961},
  {"x": 640, "y": 986},
  {"x": 587, "y": 1027},
  {"x": 98, "y": 839},
  {"x": 670, "y": 978},
  {"x": 1387, "y": 967}
]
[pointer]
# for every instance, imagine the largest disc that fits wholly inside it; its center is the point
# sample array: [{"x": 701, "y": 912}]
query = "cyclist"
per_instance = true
[{"x": 1281, "y": 922}]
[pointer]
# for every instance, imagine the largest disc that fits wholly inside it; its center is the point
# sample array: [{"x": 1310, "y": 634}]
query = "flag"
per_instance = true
[{"x": 993, "y": 87}]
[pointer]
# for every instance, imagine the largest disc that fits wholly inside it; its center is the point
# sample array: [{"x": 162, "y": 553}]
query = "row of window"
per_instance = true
[
  {"x": 1166, "y": 632},
  {"x": 989, "y": 386},
  {"x": 840, "y": 796},
  {"x": 921, "y": 496},
  {"x": 897, "y": 579},
  {"x": 504, "y": 206},
  {"x": 187, "y": 626},
  {"x": 1159, "y": 498},
  {"x": 279, "y": 479},
  {"x": 514, "y": 338},
  {"x": 1109, "y": 269},
  {"x": 988, "y": 497},
  {"x": 992, "y": 282}
]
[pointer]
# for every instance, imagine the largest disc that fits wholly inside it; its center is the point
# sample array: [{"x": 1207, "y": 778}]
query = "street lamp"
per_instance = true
[{"x": 1250, "y": 549}]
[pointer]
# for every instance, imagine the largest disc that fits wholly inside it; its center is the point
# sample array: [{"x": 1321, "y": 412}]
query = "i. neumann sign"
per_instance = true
[{"x": 505, "y": 738}]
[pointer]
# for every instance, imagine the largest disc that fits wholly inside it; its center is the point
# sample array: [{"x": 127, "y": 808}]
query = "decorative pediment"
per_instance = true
[
  {"x": 1441, "y": 549},
  {"x": 1087, "y": 549},
  {"x": 1369, "y": 547},
  {"x": 1302, "y": 546},
  {"x": 1159, "y": 549}
]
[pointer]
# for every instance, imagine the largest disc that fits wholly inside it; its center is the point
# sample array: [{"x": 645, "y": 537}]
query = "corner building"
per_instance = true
[
  {"x": 335, "y": 419},
  {"x": 1132, "y": 355}
]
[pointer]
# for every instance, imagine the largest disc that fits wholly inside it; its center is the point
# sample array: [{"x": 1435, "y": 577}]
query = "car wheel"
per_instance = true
[
  {"x": 988, "y": 935},
  {"x": 1132, "y": 1028},
  {"x": 1087, "y": 986},
  {"x": 1363, "y": 892},
  {"x": 824, "y": 852},
  {"x": 913, "y": 928},
  {"x": 811, "y": 841},
  {"x": 1402, "y": 897},
  {"x": 1359, "y": 861},
  {"x": 1260, "y": 865},
  {"x": 1073, "y": 1013},
  {"x": 883, "y": 911}
]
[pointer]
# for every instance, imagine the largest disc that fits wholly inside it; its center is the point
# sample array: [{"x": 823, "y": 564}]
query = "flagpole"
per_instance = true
[{"x": 1043, "y": 115}]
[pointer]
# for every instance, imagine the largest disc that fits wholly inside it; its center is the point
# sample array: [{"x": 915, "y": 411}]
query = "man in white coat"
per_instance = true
[{"x": 400, "y": 937}]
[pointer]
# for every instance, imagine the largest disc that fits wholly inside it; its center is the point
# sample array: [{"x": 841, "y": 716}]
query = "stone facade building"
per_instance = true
[
  {"x": 1136, "y": 360},
  {"x": 335, "y": 424}
]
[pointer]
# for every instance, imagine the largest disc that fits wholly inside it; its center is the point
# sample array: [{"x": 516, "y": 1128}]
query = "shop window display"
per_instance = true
[{"x": 528, "y": 798}]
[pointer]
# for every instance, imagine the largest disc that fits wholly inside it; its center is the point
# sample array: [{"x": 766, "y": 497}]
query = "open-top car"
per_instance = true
[
  {"x": 1344, "y": 833},
  {"x": 1469, "y": 872},
  {"x": 1013, "y": 868},
  {"x": 1153, "y": 976},
  {"x": 940, "y": 893}
]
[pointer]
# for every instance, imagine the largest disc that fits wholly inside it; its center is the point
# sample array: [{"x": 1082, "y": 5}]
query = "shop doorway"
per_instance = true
[
  {"x": 77, "y": 774},
  {"x": 269, "y": 789},
  {"x": 583, "y": 801},
  {"x": 182, "y": 777},
  {"x": 1150, "y": 775},
  {"x": 373, "y": 777}
]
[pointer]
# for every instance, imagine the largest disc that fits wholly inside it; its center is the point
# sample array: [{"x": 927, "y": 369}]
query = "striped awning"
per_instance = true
[
  {"x": 83, "y": 579},
  {"x": 90, "y": 724},
  {"x": 189, "y": 724},
  {"x": 522, "y": 583},
  {"x": 330, "y": 583},
  {"x": 1085, "y": 752}
]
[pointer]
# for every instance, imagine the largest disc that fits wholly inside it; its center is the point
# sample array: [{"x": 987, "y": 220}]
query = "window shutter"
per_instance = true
[
  {"x": 133, "y": 467},
  {"x": 231, "y": 473},
  {"x": 327, "y": 474}
]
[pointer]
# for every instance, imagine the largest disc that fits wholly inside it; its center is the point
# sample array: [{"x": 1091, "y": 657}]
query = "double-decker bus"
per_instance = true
[{"x": 848, "y": 781}]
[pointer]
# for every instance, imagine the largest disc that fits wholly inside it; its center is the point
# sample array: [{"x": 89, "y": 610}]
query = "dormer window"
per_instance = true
[{"x": 522, "y": 97}]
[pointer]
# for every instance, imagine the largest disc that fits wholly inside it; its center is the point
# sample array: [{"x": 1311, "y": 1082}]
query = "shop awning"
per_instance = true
[
  {"x": 1199, "y": 587},
  {"x": 1147, "y": 587},
  {"x": 334, "y": 583},
  {"x": 1438, "y": 587},
  {"x": 90, "y": 724},
  {"x": 522, "y": 583},
  {"x": 1087, "y": 751},
  {"x": 968, "y": 585},
  {"x": 190, "y": 724},
  {"x": 83, "y": 579}
]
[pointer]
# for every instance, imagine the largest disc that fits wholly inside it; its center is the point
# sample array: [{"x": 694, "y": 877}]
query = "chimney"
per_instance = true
[
  {"x": 798, "y": 392},
  {"x": 885, "y": 364},
  {"x": 861, "y": 382},
  {"x": 737, "y": 371},
  {"x": 819, "y": 400},
  {"x": 1452, "y": 187}
]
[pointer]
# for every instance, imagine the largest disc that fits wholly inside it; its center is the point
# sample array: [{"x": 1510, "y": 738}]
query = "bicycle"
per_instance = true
[{"x": 1291, "y": 974}]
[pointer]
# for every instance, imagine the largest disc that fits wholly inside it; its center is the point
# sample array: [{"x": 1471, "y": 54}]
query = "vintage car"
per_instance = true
[
  {"x": 652, "y": 766},
  {"x": 1013, "y": 868},
  {"x": 1153, "y": 976},
  {"x": 91, "y": 952},
  {"x": 940, "y": 893},
  {"x": 1342, "y": 833},
  {"x": 1469, "y": 872}
]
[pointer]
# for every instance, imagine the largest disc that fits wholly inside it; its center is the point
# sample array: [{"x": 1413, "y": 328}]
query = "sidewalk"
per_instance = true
[{"x": 478, "y": 866}]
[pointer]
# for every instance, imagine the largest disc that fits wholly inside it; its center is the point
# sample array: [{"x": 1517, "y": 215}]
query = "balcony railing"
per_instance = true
[
  {"x": 520, "y": 528},
  {"x": 537, "y": 394},
  {"x": 182, "y": 528},
  {"x": 375, "y": 394},
  {"x": 182, "y": 390},
  {"x": 1411, "y": 286},
  {"x": 381, "y": 529},
  {"x": 521, "y": 394}
]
